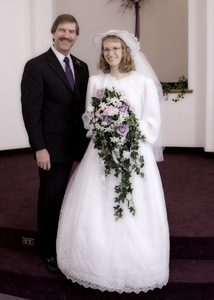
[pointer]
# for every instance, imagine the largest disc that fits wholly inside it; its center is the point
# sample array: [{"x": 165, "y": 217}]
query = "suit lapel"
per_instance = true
[
  {"x": 77, "y": 70},
  {"x": 57, "y": 68}
]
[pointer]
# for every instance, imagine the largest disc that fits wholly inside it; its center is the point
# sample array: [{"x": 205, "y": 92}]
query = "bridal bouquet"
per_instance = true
[{"x": 116, "y": 135}]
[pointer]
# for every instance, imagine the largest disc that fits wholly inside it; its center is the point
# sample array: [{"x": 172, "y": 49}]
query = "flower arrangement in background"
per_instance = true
[
  {"x": 136, "y": 4},
  {"x": 130, "y": 3},
  {"x": 116, "y": 135}
]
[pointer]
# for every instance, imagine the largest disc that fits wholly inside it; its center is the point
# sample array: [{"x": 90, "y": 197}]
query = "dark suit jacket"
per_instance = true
[{"x": 51, "y": 110}]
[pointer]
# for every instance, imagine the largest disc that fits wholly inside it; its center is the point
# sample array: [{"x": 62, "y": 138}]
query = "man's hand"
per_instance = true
[{"x": 43, "y": 159}]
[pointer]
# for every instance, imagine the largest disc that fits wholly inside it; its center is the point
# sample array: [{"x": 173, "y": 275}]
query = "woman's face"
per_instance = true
[{"x": 112, "y": 52}]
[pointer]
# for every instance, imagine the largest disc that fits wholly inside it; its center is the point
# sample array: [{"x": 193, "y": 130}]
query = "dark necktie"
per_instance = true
[{"x": 68, "y": 72}]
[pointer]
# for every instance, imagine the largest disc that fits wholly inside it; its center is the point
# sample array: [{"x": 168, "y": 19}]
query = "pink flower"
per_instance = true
[
  {"x": 110, "y": 110},
  {"x": 131, "y": 108}
]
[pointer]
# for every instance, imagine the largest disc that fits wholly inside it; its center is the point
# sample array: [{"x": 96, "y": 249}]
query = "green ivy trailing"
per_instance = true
[{"x": 181, "y": 85}]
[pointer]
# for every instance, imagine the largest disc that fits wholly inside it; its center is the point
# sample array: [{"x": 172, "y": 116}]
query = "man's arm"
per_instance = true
[
  {"x": 32, "y": 89},
  {"x": 32, "y": 93}
]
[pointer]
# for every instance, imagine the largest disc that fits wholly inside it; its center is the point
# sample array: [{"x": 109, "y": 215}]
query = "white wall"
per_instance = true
[
  {"x": 24, "y": 33},
  {"x": 184, "y": 121},
  {"x": 163, "y": 33},
  {"x": 27, "y": 33},
  {"x": 164, "y": 37},
  {"x": 14, "y": 49}
]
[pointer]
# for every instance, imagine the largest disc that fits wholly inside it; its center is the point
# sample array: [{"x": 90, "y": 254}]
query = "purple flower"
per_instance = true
[
  {"x": 105, "y": 119},
  {"x": 100, "y": 94},
  {"x": 123, "y": 129},
  {"x": 123, "y": 108}
]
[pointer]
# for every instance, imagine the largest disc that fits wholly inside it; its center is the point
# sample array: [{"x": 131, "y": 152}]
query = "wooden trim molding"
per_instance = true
[{"x": 179, "y": 91}]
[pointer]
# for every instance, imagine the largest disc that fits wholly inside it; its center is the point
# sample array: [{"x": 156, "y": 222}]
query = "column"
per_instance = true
[{"x": 209, "y": 125}]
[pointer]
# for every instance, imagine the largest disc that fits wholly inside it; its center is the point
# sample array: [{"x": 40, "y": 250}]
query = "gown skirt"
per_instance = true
[{"x": 94, "y": 250}]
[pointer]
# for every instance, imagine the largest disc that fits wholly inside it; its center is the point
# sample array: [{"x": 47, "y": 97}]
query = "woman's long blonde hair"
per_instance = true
[{"x": 127, "y": 63}]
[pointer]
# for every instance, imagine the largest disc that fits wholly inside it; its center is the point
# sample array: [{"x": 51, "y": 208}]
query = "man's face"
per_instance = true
[{"x": 64, "y": 37}]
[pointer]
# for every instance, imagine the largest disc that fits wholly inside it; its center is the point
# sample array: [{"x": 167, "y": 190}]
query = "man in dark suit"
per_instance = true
[{"x": 52, "y": 110}]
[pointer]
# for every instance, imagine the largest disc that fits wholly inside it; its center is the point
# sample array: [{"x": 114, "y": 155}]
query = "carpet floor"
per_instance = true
[{"x": 188, "y": 181}]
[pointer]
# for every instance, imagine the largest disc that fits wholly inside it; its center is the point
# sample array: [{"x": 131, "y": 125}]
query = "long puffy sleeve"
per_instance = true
[
  {"x": 90, "y": 93},
  {"x": 150, "y": 115}
]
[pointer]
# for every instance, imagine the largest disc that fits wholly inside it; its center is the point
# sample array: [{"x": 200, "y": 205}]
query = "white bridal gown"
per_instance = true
[{"x": 94, "y": 250}]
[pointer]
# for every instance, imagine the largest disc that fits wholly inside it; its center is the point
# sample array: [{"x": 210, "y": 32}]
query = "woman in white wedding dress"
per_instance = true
[{"x": 132, "y": 253}]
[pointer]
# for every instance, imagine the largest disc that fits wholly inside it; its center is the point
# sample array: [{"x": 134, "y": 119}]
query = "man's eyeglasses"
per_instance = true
[{"x": 114, "y": 49}]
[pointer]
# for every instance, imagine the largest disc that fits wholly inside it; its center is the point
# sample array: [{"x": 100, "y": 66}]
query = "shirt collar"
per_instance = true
[{"x": 60, "y": 56}]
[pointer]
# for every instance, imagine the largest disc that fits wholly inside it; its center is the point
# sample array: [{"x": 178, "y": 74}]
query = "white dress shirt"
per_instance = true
[{"x": 61, "y": 57}]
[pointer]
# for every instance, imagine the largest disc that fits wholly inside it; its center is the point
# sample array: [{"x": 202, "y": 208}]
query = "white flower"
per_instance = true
[
  {"x": 90, "y": 114},
  {"x": 107, "y": 129},
  {"x": 110, "y": 88},
  {"x": 126, "y": 154},
  {"x": 102, "y": 105},
  {"x": 90, "y": 108},
  {"x": 122, "y": 117},
  {"x": 115, "y": 102},
  {"x": 97, "y": 114},
  {"x": 115, "y": 139},
  {"x": 122, "y": 140},
  {"x": 97, "y": 126}
]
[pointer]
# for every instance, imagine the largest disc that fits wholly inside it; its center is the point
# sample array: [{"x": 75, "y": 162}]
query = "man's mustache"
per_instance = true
[{"x": 65, "y": 39}]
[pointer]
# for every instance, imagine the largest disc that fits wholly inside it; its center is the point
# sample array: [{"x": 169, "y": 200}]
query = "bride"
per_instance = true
[{"x": 120, "y": 246}]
